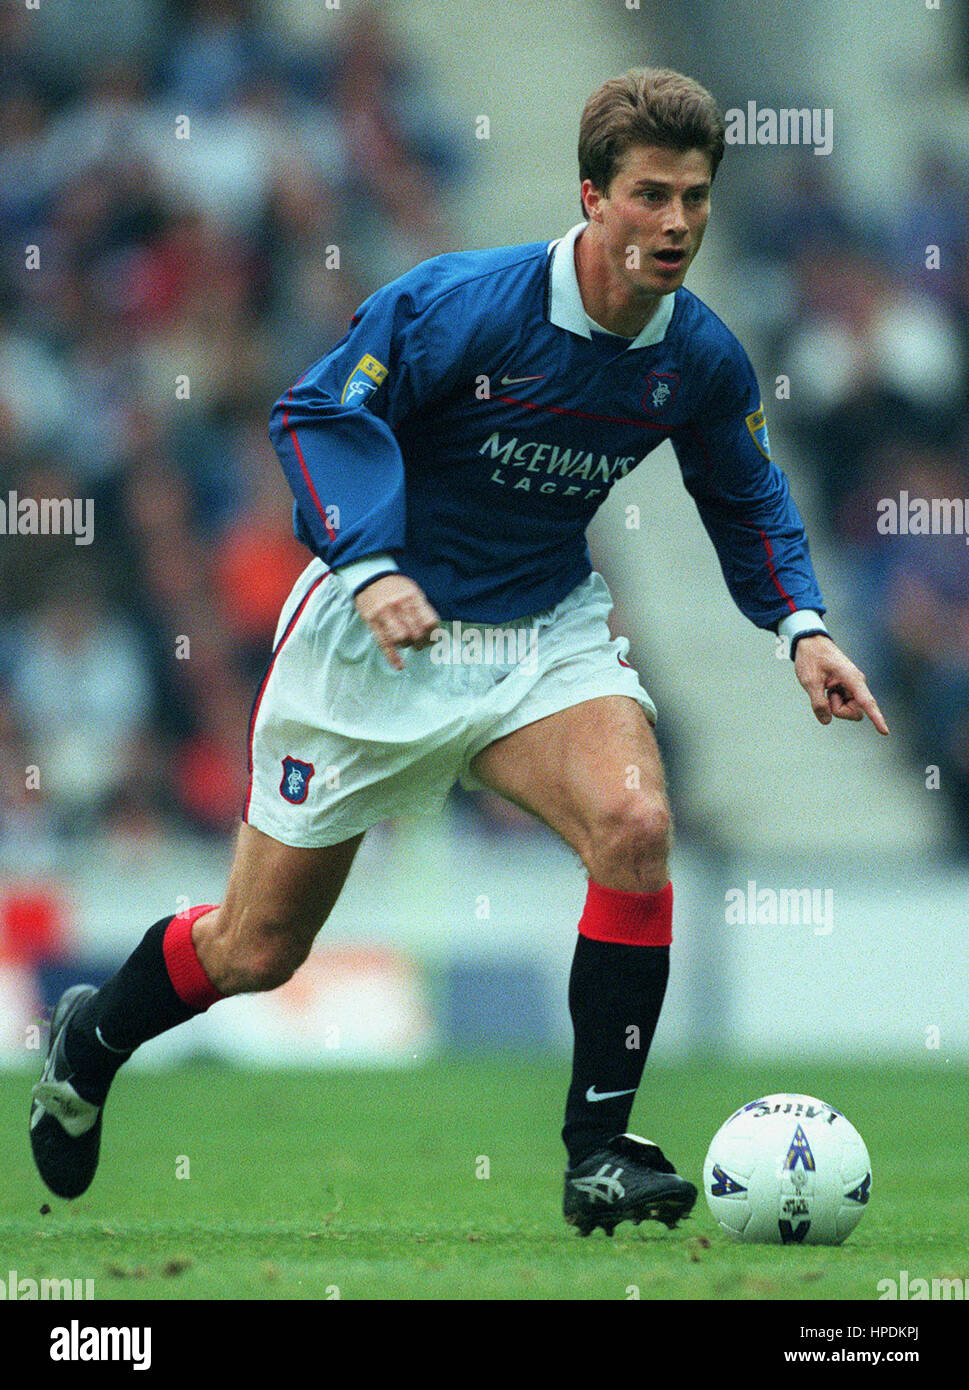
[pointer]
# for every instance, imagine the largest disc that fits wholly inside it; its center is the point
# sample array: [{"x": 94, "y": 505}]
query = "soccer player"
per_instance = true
[{"x": 446, "y": 457}]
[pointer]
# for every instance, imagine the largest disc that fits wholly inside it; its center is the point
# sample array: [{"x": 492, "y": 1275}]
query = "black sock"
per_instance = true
[
  {"x": 136, "y": 1004},
  {"x": 615, "y": 996}
]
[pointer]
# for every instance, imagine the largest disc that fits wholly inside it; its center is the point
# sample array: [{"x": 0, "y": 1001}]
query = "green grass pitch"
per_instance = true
[{"x": 218, "y": 1183}]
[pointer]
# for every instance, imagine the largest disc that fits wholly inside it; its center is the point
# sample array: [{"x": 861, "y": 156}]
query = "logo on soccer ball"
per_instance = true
[
  {"x": 791, "y": 1234},
  {"x": 723, "y": 1184},
  {"x": 296, "y": 780},
  {"x": 660, "y": 389},
  {"x": 862, "y": 1192},
  {"x": 799, "y": 1152}
]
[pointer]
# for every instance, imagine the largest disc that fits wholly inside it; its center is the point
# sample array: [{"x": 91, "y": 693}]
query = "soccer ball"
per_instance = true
[{"x": 787, "y": 1170}]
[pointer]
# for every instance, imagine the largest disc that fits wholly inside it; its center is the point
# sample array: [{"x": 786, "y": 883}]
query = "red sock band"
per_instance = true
[
  {"x": 631, "y": 919},
  {"x": 185, "y": 971}
]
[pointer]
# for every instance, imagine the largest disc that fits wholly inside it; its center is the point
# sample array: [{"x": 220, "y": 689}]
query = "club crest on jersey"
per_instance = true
[
  {"x": 757, "y": 425},
  {"x": 363, "y": 380},
  {"x": 661, "y": 388},
  {"x": 296, "y": 780}
]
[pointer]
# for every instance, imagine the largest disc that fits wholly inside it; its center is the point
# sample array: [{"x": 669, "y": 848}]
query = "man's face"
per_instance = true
[{"x": 654, "y": 215}]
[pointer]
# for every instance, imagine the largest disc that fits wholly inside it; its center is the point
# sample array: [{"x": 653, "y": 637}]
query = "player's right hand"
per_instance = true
[{"x": 398, "y": 614}]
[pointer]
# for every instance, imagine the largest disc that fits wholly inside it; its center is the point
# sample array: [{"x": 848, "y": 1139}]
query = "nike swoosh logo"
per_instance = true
[
  {"x": 515, "y": 380},
  {"x": 593, "y": 1095}
]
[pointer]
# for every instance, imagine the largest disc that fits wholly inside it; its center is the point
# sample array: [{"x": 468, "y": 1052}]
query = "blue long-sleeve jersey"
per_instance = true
[{"x": 472, "y": 420}]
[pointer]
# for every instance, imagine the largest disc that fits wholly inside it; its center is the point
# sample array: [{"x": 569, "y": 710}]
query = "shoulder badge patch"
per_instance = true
[
  {"x": 757, "y": 424},
  {"x": 363, "y": 380}
]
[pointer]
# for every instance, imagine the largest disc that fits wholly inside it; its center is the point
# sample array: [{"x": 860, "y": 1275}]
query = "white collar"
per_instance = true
[{"x": 566, "y": 309}]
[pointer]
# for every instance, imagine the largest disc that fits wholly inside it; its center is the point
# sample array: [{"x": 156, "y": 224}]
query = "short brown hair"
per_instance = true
[{"x": 646, "y": 106}]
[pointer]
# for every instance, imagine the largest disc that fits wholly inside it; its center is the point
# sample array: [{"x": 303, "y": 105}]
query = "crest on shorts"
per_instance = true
[
  {"x": 661, "y": 388},
  {"x": 296, "y": 780}
]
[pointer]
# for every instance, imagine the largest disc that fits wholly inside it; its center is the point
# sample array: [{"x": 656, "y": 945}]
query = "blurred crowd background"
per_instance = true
[
  {"x": 314, "y": 172},
  {"x": 233, "y": 258},
  {"x": 870, "y": 319}
]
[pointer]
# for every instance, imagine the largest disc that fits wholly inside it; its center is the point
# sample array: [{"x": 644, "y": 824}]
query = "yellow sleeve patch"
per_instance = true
[
  {"x": 366, "y": 376},
  {"x": 757, "y": 424},
  {"x": 375, "y": 370}
]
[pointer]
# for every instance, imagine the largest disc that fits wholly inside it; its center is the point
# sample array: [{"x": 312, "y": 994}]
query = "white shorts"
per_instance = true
[{"x": 339, "y": 741}]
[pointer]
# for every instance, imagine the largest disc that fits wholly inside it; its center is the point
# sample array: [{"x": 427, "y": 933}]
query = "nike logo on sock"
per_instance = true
[
  {"x": 121, "y": 1051},
  {"x": 592, "y": 1095}
]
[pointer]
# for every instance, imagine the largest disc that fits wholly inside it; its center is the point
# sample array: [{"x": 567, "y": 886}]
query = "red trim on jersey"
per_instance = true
[
  {"x": 302, "y": 463},
  {"x": 769, "y": 561},
  {"x": 630, "y": 919},
  {"x": 269, "y": 670},
  {"x": 581, "y": 414},
  {"x": 770, "y": 570},
  {"x": 185, "y": 970}
]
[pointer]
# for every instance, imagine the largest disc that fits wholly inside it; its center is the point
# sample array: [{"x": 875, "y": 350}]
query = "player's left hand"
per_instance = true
[{"x": 836, "y": 687}]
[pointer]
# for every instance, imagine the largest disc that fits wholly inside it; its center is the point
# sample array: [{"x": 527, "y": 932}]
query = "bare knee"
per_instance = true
[
  {"x": 628, "y": 844},
  {"x": 248, "y": 955}
]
